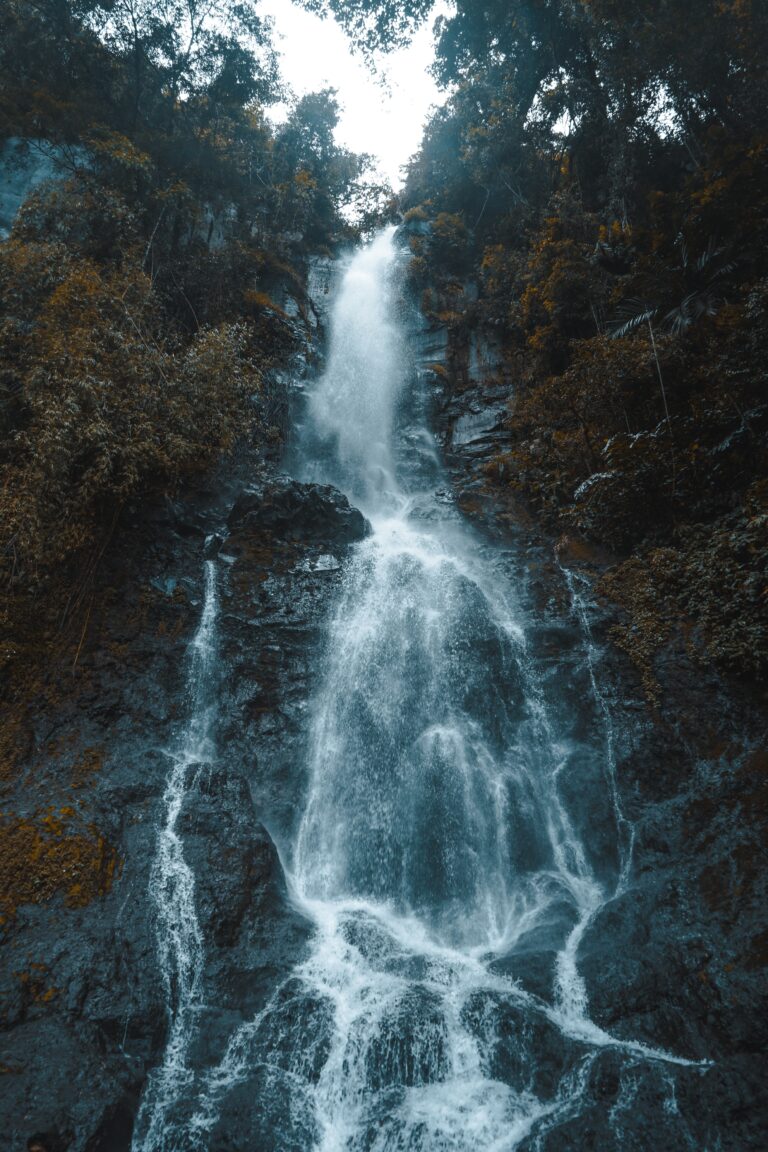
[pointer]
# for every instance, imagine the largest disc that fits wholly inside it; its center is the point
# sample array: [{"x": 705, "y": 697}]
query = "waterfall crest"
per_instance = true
[{"x": 353, "y": 407}]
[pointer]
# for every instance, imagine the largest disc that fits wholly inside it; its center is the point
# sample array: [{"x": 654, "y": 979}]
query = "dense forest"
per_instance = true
[{"x": 138, "y": 324}]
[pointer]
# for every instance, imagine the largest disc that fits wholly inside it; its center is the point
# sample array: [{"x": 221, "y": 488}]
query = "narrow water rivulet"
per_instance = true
[
  {"x": 434, "y": 847},
  {"x": 180, "y": 940}
]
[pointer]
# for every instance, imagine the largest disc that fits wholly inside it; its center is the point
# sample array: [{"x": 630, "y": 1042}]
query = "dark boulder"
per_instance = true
[
  {"x": 520, "y": 1045},
  {"x": 291, "y": 510}
]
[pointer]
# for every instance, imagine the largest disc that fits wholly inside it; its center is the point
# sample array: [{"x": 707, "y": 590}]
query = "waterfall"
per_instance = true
[
  {"x": 434, "y": 837},
  {"x": 625, "y": 834},
  {"x": 172, "y": 887},
  {"x": 435, "y": 849},
  {"x": 353, "y": 407}
]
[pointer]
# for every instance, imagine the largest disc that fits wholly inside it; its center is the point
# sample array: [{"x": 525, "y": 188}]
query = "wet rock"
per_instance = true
[
  {"x": 472, "y": 428},
  {"x": 36, "y": 1098},
  {"x": 532, "y": 962},
  {"x": 411, "y": 1046},
  {"x": 533, "y": 969},
  {"x": 618, "y": 1101},
  {"x": 241, "y": 901},
  {"x": 294, "y": 511},
  {"x": 520, "y": 1045},
  {"x": 265, "y": 1112},
  {"x": 115, "y": 1131},
  {"x": 298, "y": 1030},
  {"x": 678, "y": 960},
  {"x": 83, "y": 1017},
  {"x": 213, "y": 545},
  {"x": 274, "y": 604},
  {"x": 230, "y": 854}
]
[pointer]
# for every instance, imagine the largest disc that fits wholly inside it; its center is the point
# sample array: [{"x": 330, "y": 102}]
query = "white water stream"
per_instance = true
[
  {"x": 434, "y": 840},
  {"x": 434, "y": 837},
  {"x": 172, "y": 886}
]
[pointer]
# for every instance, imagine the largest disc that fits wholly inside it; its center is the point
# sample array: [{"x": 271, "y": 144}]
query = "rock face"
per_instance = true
[
  {"x": 678, "y": 962},
  {"x": 83, "y": 1013},
  {"x": 302, "y": 512}
]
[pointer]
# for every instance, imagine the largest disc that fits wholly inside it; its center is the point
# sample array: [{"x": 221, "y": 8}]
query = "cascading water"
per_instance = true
[
  {"x": 353, "y": 408},
  {"x": 625, "y": 833},
  {"x": 180, "y": 942},
  {"x": 434, "y": 842}
]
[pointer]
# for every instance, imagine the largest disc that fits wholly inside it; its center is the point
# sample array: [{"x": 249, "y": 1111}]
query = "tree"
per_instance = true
[
  {"x": 180, "y": 48},
  {"x": 313, "y": 176},
  {"x": 374, "y": 25}
]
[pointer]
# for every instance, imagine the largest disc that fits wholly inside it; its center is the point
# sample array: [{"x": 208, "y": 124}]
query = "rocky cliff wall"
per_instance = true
[
  {"x": 83, "y": 1016},
  {"x": 84, "y": 758},
  {"x": 679, "y": 961}
]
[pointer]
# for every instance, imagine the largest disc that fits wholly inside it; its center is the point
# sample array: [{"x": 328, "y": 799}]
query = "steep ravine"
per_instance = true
[{"x": 674, "y": 962}]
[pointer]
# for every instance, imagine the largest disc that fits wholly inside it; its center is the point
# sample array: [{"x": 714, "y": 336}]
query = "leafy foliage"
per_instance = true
[
  {"x": 141, "y": 298},
  {"x": 103, "y": 401},
  {"x": 379, "y": 26}
]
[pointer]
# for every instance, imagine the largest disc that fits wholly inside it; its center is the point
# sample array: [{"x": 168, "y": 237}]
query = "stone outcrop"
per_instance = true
[
  {"x": 301, "y": 512},
  {"x": 83, "y": 1015}
]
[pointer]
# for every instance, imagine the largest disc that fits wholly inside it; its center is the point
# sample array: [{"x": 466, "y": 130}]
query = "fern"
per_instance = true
[{"x": 635, "y": 314}]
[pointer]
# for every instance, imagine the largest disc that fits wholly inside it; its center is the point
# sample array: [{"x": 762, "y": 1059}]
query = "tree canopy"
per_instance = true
[{"x": 374, "y": 25}]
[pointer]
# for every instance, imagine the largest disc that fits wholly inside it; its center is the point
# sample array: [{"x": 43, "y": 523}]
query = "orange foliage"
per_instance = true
[{"x": 103, "y": 401}]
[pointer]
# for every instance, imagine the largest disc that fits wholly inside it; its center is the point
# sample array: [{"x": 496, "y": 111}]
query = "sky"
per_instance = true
[{"x": 386, "y": 122}]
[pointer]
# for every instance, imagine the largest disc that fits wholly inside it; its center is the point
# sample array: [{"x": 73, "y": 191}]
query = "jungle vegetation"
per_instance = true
[
  {"x": 599, "y": 171},
  {"x": 140, "y": 292}
]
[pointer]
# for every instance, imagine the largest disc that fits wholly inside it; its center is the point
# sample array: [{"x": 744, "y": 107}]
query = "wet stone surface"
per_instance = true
[
  {"x": 678, "y": 962},
  {"x": 83, "y": 1010},
  {"x": 675, "y": 962}
]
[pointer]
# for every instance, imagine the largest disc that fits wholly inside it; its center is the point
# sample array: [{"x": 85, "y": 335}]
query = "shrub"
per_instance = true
[{"x": 105, "y": 402}]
